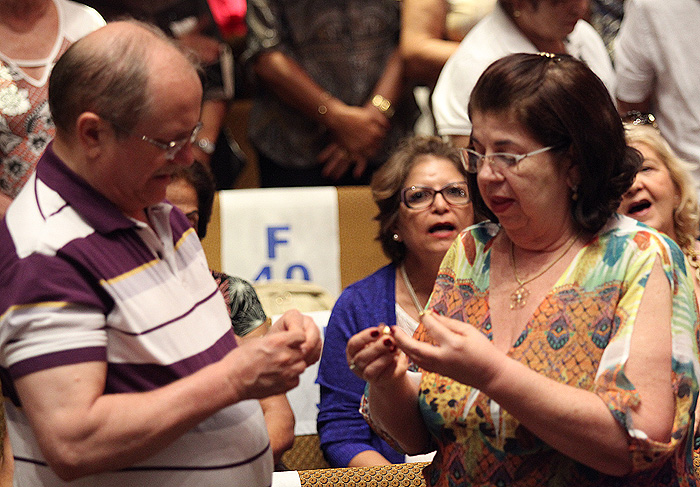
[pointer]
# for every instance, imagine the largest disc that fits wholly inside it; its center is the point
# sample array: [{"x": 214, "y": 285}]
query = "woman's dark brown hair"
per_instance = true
[{"x": 562, "y": 103}]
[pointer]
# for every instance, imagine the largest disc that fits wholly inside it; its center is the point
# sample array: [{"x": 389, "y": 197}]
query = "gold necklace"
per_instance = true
[
  {"x": 407, "y": 282},
  {"x": 519, "y": 296}
]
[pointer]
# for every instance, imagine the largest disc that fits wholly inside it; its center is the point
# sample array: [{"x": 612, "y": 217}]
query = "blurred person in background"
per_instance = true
[
  {"x": 431, "y": 31},
  {"x": 657, "y": 64},
  {"x": 33, "y": 35},
  {"x": 664, "y": 194},
  {"x": 331, "y": 99},
  {"x": 532, "y": 26}
]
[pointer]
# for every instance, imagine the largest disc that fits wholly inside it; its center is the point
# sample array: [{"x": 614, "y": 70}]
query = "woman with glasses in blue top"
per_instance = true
[
  {"x": 424, "y": 203},
  {"x": 558, "y": 345}
]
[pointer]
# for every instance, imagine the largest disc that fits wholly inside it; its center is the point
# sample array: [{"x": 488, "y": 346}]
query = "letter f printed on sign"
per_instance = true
[{"x": 273, "y": 240}]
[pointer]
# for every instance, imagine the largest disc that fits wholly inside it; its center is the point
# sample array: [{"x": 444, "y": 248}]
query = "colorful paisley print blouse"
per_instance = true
[{"x": 579, "y": 336}]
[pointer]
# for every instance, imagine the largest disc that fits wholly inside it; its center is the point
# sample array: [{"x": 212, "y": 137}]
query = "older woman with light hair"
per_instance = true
[{"x": 663, "y": 194}]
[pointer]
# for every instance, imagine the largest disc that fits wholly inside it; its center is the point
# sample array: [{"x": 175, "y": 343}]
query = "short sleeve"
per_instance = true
[
  {"x": 612, "y": 385},
  {"x": 56, "y": 318},
  {"x": 263, "y": 29},
  {"x": 633, "y": 63},
  {"x": 242, "y": 302}
]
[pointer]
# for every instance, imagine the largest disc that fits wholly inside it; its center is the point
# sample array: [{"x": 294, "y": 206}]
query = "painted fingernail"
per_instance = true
[
  {"x": 374, "y": 333},
  {"x": 387, "y": 342}
]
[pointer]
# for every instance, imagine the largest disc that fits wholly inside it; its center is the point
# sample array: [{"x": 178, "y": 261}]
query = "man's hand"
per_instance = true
[{"x": 294, "y": 321}]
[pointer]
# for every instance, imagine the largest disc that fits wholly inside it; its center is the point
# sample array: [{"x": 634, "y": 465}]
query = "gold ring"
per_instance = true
[{"x": 352, "y": 366}]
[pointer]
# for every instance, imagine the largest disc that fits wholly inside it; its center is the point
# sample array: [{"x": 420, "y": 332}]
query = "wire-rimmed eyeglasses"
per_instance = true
[
  {"x": 171, "y": 148},
  {"x": 473, "y": 160},
  {"x": 421, "y": 197}
]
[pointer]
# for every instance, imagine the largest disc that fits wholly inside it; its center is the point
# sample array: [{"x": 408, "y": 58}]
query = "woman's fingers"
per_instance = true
[
  {"x": 439, "y": 323},
  {"x": 361, "y": 339},
  {"x": 421, "y": 353},
  {"x": 447, "y": 334},
  {"x": 372, "y": 348}
]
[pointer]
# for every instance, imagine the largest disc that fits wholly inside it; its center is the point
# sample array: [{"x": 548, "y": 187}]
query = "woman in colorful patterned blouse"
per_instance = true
[{"x": 559, "y": 345}]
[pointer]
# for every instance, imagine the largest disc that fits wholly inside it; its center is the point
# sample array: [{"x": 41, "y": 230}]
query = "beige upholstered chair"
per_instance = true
[{"x": 305, "y": 454}]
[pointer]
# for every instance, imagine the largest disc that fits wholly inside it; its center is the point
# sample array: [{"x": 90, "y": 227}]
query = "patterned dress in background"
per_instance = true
[
  {"x": 606, "y": 16},
  {"x": 242, "y": 303},
  {"x": 581, "y": 329},
  {"x": 25, "y": 121},
  {"x": 25, "y": 128}
]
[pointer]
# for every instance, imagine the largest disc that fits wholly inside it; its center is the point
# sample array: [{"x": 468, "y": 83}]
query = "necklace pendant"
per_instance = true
[{"x": 519, "y": 297}]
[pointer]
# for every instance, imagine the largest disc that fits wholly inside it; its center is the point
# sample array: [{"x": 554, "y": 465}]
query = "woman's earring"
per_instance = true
[
  {"x": 396, "y": 237},
  {"x": 516, "y": 13},
  {"x": 574, "y": 193}
]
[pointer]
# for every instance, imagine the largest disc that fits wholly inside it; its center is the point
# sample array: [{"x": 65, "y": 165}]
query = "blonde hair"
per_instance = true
[{"x": 686, "y": 216}]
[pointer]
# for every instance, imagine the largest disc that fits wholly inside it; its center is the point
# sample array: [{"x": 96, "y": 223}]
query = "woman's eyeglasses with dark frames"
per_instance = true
[{"x": 421, "y": 197}]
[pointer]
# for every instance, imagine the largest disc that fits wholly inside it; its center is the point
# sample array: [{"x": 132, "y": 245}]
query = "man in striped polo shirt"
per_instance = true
[{"x": 118, "y": 362}]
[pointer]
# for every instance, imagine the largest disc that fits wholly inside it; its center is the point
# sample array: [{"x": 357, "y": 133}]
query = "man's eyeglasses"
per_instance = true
[
  {"x": 171, "y": 148},
  {"x": 635, "y": 117},
  {"x": 421, "y": 197},
  {"x": 473, "y": 161},
  {"x": 174, "y": 146}
]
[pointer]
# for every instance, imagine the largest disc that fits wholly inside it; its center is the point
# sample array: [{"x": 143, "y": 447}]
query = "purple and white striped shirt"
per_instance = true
[{"x": 79, "y": 282}]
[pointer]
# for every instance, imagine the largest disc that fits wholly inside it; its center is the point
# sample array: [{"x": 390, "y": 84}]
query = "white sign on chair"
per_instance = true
[{"x": 281, "y": 234}]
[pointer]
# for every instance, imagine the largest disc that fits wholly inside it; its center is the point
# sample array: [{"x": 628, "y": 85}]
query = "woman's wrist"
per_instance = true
[{"x": 327, "y": 110}]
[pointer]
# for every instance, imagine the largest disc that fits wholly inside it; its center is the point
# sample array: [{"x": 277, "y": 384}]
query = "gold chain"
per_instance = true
[{"x": 519, "y": 296}]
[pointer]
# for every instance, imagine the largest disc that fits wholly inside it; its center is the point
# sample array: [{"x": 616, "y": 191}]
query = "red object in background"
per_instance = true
[{"x": 229, "y": 16}]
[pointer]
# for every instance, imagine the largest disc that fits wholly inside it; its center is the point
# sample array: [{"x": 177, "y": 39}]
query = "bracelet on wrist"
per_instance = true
[
  {"x": 383, "y": 105},
  {"x": 322, "y": 108}
]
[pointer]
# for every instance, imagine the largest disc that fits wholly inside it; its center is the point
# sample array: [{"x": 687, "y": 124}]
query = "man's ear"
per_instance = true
[{"x": 92, "y": 132}]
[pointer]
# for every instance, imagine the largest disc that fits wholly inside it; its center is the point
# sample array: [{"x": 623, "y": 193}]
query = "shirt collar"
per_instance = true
[{"x": 99, "y": 212}]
